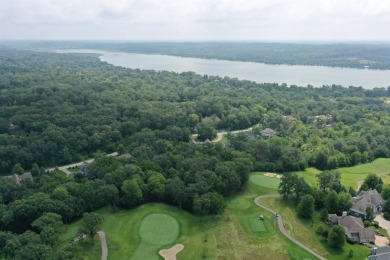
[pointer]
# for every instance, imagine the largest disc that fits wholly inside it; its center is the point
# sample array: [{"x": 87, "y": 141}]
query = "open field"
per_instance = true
[{"x": 351, "y": 175}]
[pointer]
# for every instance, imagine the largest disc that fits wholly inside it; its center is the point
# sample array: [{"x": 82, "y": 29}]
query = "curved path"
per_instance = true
[
  {"x": 103, "y": 243},
  {"x": 281, "y": 227},
  {"x": 221, "y": 134}
]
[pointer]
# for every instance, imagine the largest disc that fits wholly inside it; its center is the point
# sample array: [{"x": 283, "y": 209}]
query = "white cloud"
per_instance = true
[{"x": 196, "y": 19}]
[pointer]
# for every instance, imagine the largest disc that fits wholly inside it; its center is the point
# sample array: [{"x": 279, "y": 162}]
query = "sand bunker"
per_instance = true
[
  {"x": 170, "y": 253},
  {"x": 273, "y": 175}
]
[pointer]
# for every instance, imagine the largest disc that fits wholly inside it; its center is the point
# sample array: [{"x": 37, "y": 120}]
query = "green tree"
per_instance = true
[
  {"x": 331, "y": 200},
  {"x": 324, "y": 215},
  {"x": 336, "y": 237},
  {"x": 209, "y": 203},
  {"x": 132, "y": 193},
  {"x": 286, "y": 185},
  {"x": 91, "y": 223},
  {"x": 306, "y": 206},
  {"x": 344, "y": 202},
  {"x": 35, "y": 171},
  {"x": 369, "y": 214},
  {"x": 17, "y": 169},
  {"x": 329, "y": 180},
  {"x": 371, "y": 182},
  {"x": 385, "y": 191},
  {"x": 206, "y": 131}
]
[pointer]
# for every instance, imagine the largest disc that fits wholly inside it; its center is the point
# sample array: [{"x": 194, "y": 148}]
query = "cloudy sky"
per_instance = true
[{"x": 199, "y": 20}]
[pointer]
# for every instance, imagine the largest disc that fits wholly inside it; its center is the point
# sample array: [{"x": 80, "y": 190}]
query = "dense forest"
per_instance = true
[
  {"x": 352, "y": 55},
  {"x": 61, "y": 108}
]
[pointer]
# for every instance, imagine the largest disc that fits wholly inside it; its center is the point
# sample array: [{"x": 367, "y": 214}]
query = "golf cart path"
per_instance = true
[
  {"x": 103, "y": 243},
  {"x": 281, "y": 227}
]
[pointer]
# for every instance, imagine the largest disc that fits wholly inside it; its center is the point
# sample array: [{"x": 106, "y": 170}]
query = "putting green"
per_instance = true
[
  {"x": 264, "y": 181},
  {"x": 257, "y": 225},
  {"x": 159, "y": 229}
]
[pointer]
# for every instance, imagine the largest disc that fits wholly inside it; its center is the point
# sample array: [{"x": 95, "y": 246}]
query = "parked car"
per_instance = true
[{"x": 261, "y": 217}]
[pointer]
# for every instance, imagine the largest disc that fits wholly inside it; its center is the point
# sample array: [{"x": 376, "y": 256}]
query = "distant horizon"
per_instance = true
[{"x": 202, "y": 41}]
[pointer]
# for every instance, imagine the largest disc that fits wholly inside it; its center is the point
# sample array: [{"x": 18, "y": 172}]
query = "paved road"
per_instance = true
[
  {"x": 103, "y": 243},
  {"x": 221, "y": 134},
  {"x": 281, "y": 227},
  {"x": 66, "y": 167}
]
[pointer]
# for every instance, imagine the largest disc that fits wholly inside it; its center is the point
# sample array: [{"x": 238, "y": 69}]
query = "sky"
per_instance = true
[{"x": 195, "y": 20}]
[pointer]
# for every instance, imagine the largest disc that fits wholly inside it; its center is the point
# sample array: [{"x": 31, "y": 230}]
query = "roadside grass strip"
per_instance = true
[{"x": 257, "y": 225}]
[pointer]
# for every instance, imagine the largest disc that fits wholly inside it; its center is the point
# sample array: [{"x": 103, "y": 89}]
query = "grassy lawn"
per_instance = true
[
  {"x": 129, "y": 237},
  {"x": 74, "y": 169},
  {"x": 259, "y": 179},
  {"x": 351, "y": 175}
]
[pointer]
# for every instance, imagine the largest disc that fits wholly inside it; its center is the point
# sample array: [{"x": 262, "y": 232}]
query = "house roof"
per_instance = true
[
  {"x": 267, "y": 132},
  {"x": 250, "y": 135},
  {"x": 367, "y": 234},
  {"x": 366, "y": 199},
  {"x": 351, "y": 223},
  {"x": 333, "y": 218},
  {"x": 354, "y": 227}
]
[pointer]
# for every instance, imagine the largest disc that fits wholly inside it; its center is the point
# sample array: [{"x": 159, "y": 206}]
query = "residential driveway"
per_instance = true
[
  {"x": 383, "y": 223},
  {"x": 381, "y": 241}
]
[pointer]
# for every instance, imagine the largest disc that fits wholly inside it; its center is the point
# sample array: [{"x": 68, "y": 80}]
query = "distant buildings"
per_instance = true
[{"x": 19, "y": 178}]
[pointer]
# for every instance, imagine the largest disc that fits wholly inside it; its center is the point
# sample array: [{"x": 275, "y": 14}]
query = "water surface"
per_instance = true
[{"x": 258, "y": 72}]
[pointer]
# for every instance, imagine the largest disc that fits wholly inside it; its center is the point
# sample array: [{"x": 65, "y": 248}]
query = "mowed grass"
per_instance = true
[
  {"x": 159, "y": 229},
  {"x": 123, "y": 233},
  {"x": 351, "y": 175},
  {"x": 261, "y": 180},
  {"x": 257, "y": 225}
]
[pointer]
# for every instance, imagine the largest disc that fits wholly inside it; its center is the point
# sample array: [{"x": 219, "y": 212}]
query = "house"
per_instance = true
[
  {"x": 12, "y": 127},
  {"x": 83, "y": 170},
  {"x": 365, "y": 199},
  {"x": 289, "y": 118},
  {"x": 268, "y": 133},
  {"x": 380, "y": 253},
  {"x": 19, "y": 178},
  {"x": 354, "y": 228},
  {"x": 251, "y": 136}
]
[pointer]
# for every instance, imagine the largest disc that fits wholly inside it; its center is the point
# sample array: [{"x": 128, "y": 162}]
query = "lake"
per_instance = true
[{"x": 258, "y": 72}]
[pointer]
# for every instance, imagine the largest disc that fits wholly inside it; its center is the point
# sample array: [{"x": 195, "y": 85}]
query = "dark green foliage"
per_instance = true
[
  {"x": 306, "y": 206},
  {"x": 209, "y": 203},
  {"x": 91, "y": 222},
  {"x": 324, "y": 215},
  {"x": 372, "y": 182},
  {"x": 369, "y": 214},
  {"x": 336, "y": 237}
]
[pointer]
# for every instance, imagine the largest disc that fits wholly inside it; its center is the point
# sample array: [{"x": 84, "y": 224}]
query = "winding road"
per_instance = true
[
  {"x": 221, "y": 134},
  {"x": 103, "y": 243},
  {"x": 281, "y": 227}
]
